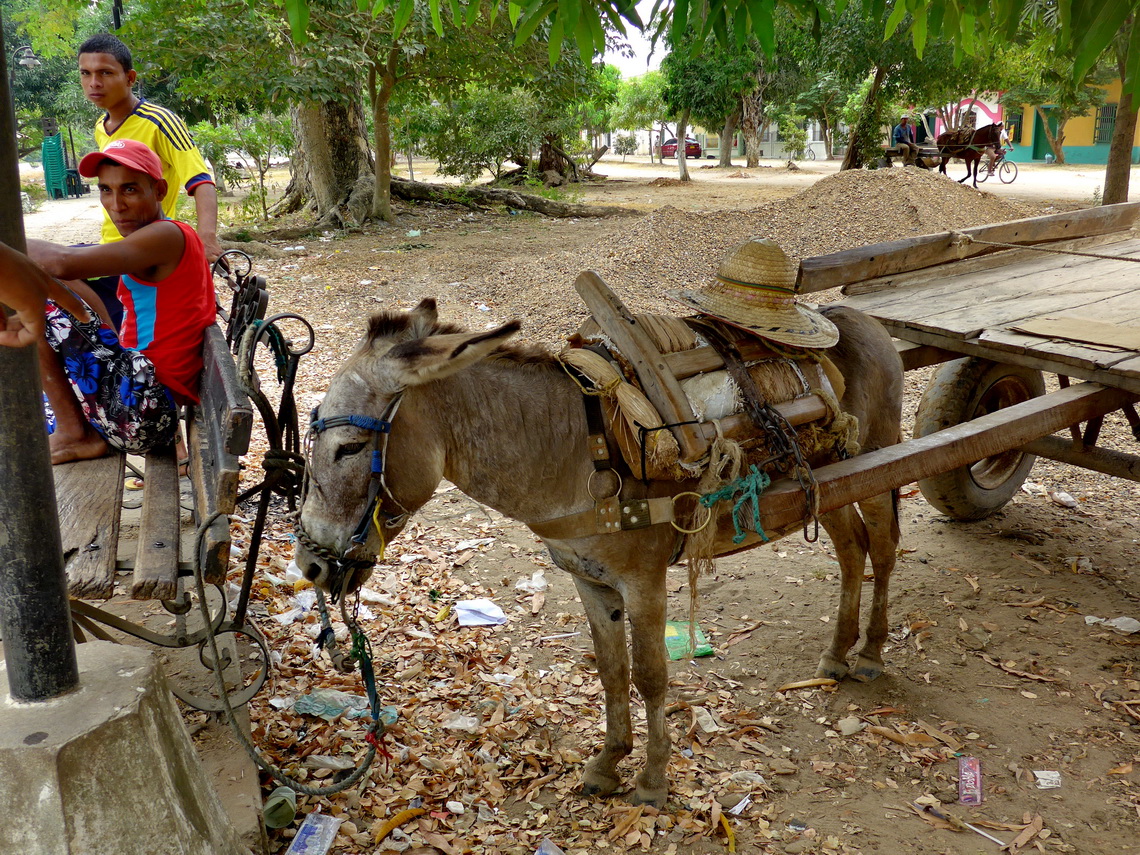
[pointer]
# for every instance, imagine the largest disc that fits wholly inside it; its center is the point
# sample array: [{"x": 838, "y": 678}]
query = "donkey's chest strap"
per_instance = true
[{"x": 608, "y": 516}]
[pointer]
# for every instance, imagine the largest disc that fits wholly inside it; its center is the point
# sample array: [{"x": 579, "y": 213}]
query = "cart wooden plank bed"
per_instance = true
[{"x": 997, "y": 315}]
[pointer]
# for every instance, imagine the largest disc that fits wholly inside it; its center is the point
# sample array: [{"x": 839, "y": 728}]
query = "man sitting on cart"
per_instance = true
[
  {"x": 903, "y": 139},
  {"x": 107, "y": 389}
]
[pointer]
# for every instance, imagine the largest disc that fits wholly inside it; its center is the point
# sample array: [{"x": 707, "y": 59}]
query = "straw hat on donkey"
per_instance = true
[{"x": 755, "y": 290}]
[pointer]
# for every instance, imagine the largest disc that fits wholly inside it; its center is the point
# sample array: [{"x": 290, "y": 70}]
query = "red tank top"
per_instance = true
[{"x": 167, "y": 320}]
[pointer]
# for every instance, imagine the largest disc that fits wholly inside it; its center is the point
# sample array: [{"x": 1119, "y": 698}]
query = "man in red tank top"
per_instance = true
[{"x": 114, "y": 390}]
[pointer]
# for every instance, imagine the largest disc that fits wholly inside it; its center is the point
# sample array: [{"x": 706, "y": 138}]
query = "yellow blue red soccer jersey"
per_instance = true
[{"x": 167, "y": 136}]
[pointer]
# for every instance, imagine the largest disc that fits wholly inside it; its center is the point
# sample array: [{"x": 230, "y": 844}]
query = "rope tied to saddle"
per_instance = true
[
  {"x": 748, "y": 488},
  {"x": 962, "y": 239}
]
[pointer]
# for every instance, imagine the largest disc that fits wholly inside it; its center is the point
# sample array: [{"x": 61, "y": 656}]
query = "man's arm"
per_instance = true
[
  {"x": 206, "y": 207},
  {"x": 151, "y": 253},
  {"x": 25, "y": 288}
]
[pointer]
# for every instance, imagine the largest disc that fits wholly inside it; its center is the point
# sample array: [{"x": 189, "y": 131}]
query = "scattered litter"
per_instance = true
[
  {"x": 333, "y": 764},
  {"x": 462, "y": 723},
  {"x": 1123, "y": 625},
  {"x": 748, "y": 779},
  {"x": 280, "y": 703},
  {"x": 741, "y": 806},
  {"x": 471, "y": 544},
  {"x": 1033, "y": 489},
  {"x": 330, "y": 703},
  {"x": 797, "y": 825},
  {"x": 280, "y": 808},
  {"x": 456, "y": 807},
  {"x": 315, "y": 835},
  {"x": 677, "y": 641},
  {"x": 302, "y": 602},
  {"x": 483, "y": 307},
  {"x": 851, "y": 725},
  {"x": 413, "y": 233},
  {"x": 1060, "y": 497},
  {"x": 969, "y": 781},
  {"x": 1047, "y": 780},
  {"x": 548, "y": 847},
  {"x": 480, "y": 612},
  {"x": 298, "y": 248},
  {"x": 559, "y": 636},
  {"x": 537, "y": 582}
]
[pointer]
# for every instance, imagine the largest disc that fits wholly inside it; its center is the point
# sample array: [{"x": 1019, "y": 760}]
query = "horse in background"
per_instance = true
[{"x": 970, "y": 145}]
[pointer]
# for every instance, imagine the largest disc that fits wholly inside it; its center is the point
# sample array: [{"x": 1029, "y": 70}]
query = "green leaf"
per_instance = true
[
  {"x": 897, "y": 14},
  {"x": 568, "y": 15},
  {"x": 493, "y": 14},
  {"x": 379, "y": 6},
  {"x": 514, "y": 10},
  {"x": 472, "y": 12},
  {"x": 531, "y": 20},
  {"x": 554, "y": 48},
  {"x": 595, "y": 22},
  {"x": 298, "y": 14},
  {"x": 436, "y": 20},
  {"x": 361, "y": 5},
  {"x": 763, "y": 26},
  {"x": 740, "y": 21},
  {"x": 918, "y": 30},
  {"x": 403, "y": 15},
  {"x": 456, "y": 10},
  {"x": 680, "y": 21},
  {"x": 967, "y": 33},
  {"x": 584, "y": 36},
  {"x": 1097, "y": 31}
]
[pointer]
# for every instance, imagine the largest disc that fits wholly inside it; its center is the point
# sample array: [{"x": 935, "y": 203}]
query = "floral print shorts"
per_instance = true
[{"x": 116, "y": 387}]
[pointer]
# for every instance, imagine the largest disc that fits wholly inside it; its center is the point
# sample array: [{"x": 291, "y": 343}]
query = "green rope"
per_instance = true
[{"x": 749, "y": 487}]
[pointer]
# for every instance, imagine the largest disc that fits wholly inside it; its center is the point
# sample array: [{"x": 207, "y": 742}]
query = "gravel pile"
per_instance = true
[{"x": 670, "y": 248}]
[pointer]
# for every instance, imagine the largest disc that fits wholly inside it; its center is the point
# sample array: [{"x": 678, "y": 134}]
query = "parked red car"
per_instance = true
[{"x": 692, "y": 148}]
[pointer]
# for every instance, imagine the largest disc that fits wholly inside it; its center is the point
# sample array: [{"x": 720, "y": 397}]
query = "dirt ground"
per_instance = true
[{"x": 990, "y": 655}]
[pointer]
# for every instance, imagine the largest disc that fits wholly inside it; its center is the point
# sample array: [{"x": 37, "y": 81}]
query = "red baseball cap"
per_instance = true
[{"x": 129, "y": 153}]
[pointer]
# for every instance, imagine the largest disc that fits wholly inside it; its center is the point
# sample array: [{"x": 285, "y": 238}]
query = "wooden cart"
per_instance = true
[{"x": 995, "y": 319}]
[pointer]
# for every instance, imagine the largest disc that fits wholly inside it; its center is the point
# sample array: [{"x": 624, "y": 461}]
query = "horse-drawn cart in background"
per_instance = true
[{"x": 997, "y": 307}]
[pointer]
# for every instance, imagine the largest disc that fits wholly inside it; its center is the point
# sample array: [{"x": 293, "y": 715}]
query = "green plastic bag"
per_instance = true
[{"x": 677, "y": 640}]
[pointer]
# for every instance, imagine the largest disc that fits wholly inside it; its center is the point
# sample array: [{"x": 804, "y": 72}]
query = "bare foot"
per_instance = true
[{"x": 87, "y": 447}]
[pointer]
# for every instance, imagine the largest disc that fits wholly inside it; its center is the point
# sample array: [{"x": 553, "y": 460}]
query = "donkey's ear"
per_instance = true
[
  {"x": 423, "y": 318},
  {"x": 439, "y": 356}
]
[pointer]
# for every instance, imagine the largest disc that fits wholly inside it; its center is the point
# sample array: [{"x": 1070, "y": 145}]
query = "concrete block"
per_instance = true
[{"x": 108, "y": 769}]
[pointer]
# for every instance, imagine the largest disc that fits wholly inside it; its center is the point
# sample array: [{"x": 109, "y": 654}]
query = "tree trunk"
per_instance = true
[
  {"x": 751, "y": 124},
  {"x": 1057, "y": 142},
  {"x": 868, "y": 117},
  {"x": 381, "y": 83},
  {"x": 682, "y": 155},
  {"x": 330, "y": 157},
  {"x": 476, "y": 197},
  {"x": 1119, "y": 169},
  {"x": 728, "y": 137}
]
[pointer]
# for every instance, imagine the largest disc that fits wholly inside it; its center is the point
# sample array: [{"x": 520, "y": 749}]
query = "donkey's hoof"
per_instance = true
[
  {"x": 867, "y": 670},
  {"x": 831, "y": 667},
  {"x": 596, "y": 783},
  {"x": 652, "y": 796}
]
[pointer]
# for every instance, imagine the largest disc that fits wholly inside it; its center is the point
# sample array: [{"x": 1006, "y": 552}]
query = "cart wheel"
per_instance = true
[
  {"x": 963, "y": 390},
  {"x": 1007, "y": 172}
]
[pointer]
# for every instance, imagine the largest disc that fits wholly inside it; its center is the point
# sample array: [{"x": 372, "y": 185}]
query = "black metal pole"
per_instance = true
[{"x": 35, "y": 619}]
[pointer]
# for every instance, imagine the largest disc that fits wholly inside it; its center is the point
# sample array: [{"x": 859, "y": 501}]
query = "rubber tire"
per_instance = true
[
  {"x": 960, "y": 391},
  {"x": 1007, "y": 168},
  {"x": 983, "y": 173}
]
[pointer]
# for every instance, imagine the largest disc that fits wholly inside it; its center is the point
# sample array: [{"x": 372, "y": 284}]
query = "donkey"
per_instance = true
[
  {"x": 969, "y": 145},
  {"x": 507, "y": 426}
]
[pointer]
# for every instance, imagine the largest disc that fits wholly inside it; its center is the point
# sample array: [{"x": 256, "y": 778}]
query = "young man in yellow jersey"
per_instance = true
[{"x": 106, "y": 71}]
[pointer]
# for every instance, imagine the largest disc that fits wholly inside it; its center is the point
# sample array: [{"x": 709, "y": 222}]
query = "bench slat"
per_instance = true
[
  {"x": 156, "y": 564},
  {"x": 205, "y": 469},
  {"x": 89, "y": 495},
  {"x": 227, "y": 407}
]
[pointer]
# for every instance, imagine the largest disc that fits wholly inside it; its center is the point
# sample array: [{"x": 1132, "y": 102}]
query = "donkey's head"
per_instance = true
[{"x": 371, "y": 462}]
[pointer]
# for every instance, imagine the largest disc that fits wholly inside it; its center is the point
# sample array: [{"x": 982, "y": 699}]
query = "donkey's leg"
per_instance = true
[
  {"x": 645, "y": 600},
  {"x": 605, "y": 612},
  {"x": 881, "y": 519},
  {"x": 849, "y": 536}
]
